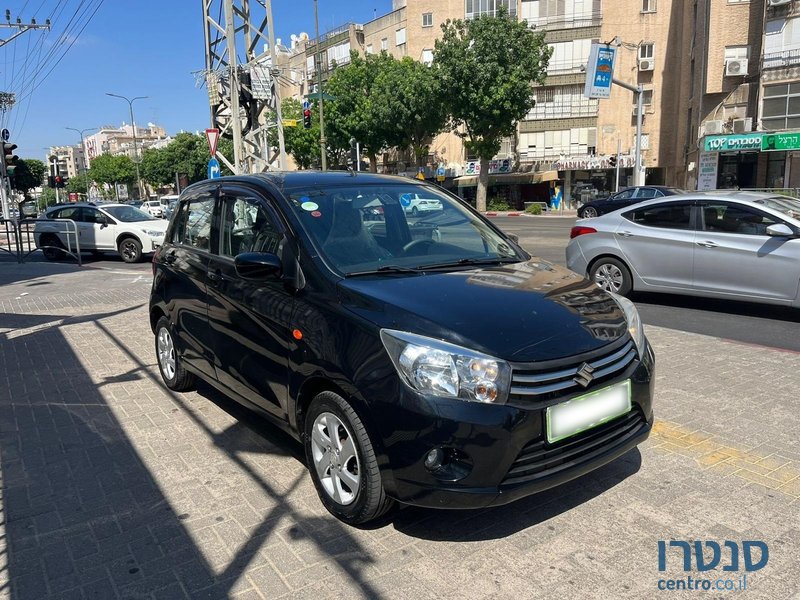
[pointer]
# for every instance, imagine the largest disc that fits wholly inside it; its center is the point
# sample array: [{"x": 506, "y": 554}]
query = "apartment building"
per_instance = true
[
  {"x": 119, "y": 140},
  {"x": 69, "y": 159}
]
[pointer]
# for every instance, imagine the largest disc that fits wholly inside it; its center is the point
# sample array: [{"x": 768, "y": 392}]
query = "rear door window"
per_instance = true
[
  {"x": 664, "y": 216},
  {"x": 719, "y": 217},
  {"x": 246, "y": 225}
]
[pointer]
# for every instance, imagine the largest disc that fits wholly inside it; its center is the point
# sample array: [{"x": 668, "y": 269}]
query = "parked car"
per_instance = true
[
  {"x": 105, "y": 227},
  {"x": 623, "y": 198},
  {"x": 416, "y": 204},
  {"x": 168, "y": 203},
  {"x": 371, "y": 345},
  {"x": 154, "y": 208},
  {"x": 736, "y": 245}
]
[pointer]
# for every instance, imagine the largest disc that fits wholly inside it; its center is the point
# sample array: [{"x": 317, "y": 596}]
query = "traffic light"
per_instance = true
[
  {"x": 60, "y": 181},
  {"x": 51, "y": 181},
  {"x": 613, "y": 161},
  {"x": 9, "y": 159},
  {"x": 307, "y": 118}
]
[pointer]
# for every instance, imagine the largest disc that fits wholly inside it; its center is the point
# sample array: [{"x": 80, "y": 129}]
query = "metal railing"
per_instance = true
[
  {"x": 564, "y": 22},
  {"x": 19, "y": 238},
  {"x": 777, "y": 60}
]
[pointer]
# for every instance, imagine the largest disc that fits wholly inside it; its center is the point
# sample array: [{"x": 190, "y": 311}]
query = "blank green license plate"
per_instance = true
[{"x": 584, "y": 412}]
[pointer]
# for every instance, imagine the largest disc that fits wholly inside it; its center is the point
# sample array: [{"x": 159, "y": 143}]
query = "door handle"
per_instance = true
[
  {"x": 625, "y": 233},
  {"x": 707, "y": 244},
  {"x": 215, "y": 276}
]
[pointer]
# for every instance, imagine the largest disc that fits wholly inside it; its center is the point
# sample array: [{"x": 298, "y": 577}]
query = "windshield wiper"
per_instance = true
[
  {"x": 383, "y": 269},
  {"x": 470, "y": 262}
]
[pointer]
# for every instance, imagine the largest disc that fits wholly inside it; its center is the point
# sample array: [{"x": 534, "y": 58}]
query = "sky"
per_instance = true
[{"x": 132, "y": 48}]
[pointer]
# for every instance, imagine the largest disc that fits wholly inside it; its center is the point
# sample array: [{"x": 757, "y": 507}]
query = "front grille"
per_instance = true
[
  {"x": 541, "y": 383},
  {"x": 538, "y": 459}
]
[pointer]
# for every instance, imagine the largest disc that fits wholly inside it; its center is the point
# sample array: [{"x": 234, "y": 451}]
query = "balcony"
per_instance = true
[
  {"x": 566, "y": 22},
  {"x": 560, "y": 67},
  {"x": 780, "y": 60}
]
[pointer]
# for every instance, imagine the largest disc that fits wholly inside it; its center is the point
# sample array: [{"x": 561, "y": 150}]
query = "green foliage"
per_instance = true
[
  {"x": 499, "y": 204},
  {"x": 112, "y": 169},
  {"x": 46, "y": 198},
  {"x": 487, "y": 68},
  {"x": 352, "y": 113},
  {"x": 406, "y": 100},
  {"x": 188, "y": 153},
  {"x": 29, "y": 174},
  {"x": 534, "y": 208},
  {"x": 301, "y": 143},
  {"x": 77, "y": 184}
]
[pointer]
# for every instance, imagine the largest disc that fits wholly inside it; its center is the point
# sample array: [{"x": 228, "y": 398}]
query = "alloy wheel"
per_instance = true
[
  {"x": 335, "y": 458},
  {"x": 129, "y": 250},
  {"x": 166, "y": 353},
  {"x": 589, "y": 212},
  {"x": 609, "y": 277}
]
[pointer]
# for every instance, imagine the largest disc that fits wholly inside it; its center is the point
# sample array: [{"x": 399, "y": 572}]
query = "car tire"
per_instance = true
[
  {"x": 51, "y": 253},
  {"x": 612, "y": 275},
  {"x": 414, "y": 212},
  {"x": 175, "y": 376},
  {"x": 588, "y": 212},
  {"x": 130, "y": 249},
  {"x": 347, "y": 480}
]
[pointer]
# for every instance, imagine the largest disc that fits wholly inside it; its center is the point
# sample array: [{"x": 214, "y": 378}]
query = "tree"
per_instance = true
[
  {"x": 301, "y": 143},
  {"x": 29, "y": 174},
  {"x": 110, "y": 169},
  {"x": 188, "y": 153},
  {"x": 156, "y": 168},
  {"x": 77, "y": 184},
  {"x": 410, "y": 105},
  {"x": 352, "y": 112},
  {"x": 487, "y": 67}
]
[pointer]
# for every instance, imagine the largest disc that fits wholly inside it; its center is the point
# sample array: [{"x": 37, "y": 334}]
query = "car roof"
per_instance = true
[{"x": 287, "y": 180}]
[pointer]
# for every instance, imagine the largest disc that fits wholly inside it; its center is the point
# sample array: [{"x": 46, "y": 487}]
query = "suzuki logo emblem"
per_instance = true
[{"x": 584, "y": 375}]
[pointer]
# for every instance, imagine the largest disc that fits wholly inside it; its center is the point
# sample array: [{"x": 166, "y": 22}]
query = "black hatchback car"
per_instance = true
[
  {"x": 428, "y": 360},
  {"x": 623, "y": 198}
]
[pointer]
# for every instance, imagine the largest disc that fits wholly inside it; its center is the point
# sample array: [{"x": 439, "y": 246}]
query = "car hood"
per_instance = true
[
  {"x": 154, "y": 225},
  {"x": 523, "y": 312}
]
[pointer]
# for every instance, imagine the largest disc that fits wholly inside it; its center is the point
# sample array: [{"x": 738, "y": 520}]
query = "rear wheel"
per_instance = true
[
  {"x": 174, "y": 375},
  {"x": 130, "y": 249},
  {"x": 612, "y": 275},
  {"x": 50, "y": 245},
  {"x": 342, "y": 462},
  {"x": 589, "y": 212}
]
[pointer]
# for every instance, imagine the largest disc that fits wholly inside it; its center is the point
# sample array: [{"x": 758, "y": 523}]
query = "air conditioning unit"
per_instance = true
[
  {"x": 735, "y": 67},
  {"x": 743, "y": 125},
  {"x": 646, "y": 64},
  {"x": 778, "y": 2},
  {"x": 712, "y": 127}
]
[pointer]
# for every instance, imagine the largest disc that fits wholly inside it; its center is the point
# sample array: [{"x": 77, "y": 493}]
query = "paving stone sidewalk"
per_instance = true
[{"x": 113, "y": 487}]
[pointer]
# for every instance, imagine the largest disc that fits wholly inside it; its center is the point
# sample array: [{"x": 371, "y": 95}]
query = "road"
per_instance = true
[{"x": 749, "y": 323}]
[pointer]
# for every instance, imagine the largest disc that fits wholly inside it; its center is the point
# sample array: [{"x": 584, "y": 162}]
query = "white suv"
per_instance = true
[
  {"x": 416, "y": 204},
  {"x": 154, "y": 207},
  {"x": 114, "y": 227}
]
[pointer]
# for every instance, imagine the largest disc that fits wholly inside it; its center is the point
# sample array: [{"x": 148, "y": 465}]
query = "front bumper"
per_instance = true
[{"x": 501, "y": 448}]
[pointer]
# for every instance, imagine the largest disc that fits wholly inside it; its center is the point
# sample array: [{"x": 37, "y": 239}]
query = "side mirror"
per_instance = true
[
  {"x": 103, "y": 221},
  {"x": 257, "y": 265},
  {"x": 513, "y": 237},
  {"x": 780, "y": 230}
]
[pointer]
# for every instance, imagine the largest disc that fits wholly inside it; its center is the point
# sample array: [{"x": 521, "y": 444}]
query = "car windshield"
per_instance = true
[
  {"x": 788, "y": 206},
  {"x": 362, "y": 229},
  {"x": 128, "y": 214}
]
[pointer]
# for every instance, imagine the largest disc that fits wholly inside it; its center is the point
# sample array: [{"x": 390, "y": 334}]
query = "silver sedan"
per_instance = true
[{"x": 736, "y": 245}]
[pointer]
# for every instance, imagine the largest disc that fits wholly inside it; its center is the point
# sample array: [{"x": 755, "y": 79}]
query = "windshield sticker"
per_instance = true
[
  {"x": 405, "y": 200},
  {"x": 316, "y": 213},
  {"x": 308, "y": 205}
]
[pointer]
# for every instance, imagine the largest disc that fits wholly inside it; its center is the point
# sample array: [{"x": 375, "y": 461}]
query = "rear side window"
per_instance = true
[
  {"x": 72, "y": 212},
  {"x": 193, "y": 227},
  {"x": 246, "y": 226},
  {"x": 664, "y": 216}
]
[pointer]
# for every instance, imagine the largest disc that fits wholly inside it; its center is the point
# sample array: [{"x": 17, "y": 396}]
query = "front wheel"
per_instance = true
[
  {"x": 131, "y": 250},
  {"x": 342, "y": 462},
  {"x": 612, "y": 275},
  {"x": 590, "y": 212}
]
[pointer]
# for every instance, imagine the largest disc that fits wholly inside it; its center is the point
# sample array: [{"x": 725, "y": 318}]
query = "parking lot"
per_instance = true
[{"x": 114, "y": 487}]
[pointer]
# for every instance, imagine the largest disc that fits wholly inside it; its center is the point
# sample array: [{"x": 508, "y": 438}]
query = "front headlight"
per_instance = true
[
  {"x": 635, "y": 326},
  {"x": 438, "y": 368},
  {"x": 154, "y": 233}
]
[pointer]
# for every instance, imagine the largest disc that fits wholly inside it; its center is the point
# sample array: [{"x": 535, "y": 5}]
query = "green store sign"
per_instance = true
[
  {"x": 765, "y": 142},
  {"x": 732, "y": 143}
]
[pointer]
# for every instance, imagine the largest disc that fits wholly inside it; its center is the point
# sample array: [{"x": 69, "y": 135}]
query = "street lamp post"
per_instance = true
[
  {"x": 130, "y": 102},
  {"x": 83, "y": 150},
  {"x": 318, "y": 54}
]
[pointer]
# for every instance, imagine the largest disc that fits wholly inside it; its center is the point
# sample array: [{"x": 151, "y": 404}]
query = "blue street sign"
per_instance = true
[
  {"x": 440, "y": 172},
  {"x": 306, "y": 105},
  {"x": 213, "y": 169},
  {"x": 600, "y": 71}
]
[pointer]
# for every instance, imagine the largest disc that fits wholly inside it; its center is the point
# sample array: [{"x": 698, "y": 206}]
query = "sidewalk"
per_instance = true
[{"x": 567, "y": 213}]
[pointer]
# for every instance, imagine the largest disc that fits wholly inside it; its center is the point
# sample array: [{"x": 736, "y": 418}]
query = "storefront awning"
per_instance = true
[{"x": 508, "y": 178}]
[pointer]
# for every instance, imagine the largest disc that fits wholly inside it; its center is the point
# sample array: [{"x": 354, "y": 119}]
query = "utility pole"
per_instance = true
[
  {"x": 22, "y": 27},
  {"x": 240, "y": 109},
  {"x": 638, "y": 171},
  {"x": 616, "y": 171},
  {"x": 85, "y": 159},
  {"x": 318, "y": 62},
  {"x": 130, "y": 102}
]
